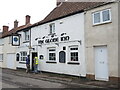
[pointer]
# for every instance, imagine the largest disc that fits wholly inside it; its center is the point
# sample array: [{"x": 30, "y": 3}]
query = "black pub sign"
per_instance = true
[{"x": 53, "y": 40}]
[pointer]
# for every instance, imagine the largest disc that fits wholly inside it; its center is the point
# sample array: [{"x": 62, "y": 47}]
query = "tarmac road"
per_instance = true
[{"x": 20, "y": 79}]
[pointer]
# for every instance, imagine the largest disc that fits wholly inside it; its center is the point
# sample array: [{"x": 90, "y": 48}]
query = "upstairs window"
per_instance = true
[
  {"x": 1, "y": 41},
  {"x": 1, "y": 57},
  {"x": 102, "y": 17},
  {"x": 27, "y": 35},
  {"x": 52, "y": 28}
]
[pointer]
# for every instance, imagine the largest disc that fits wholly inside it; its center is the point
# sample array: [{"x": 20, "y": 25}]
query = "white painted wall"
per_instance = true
[
  {"x": 24, "y": 46},
  {"x": 1, "y": 49},
  {"x": 104, "y": 34},
  {"x": 73, "y": 26},
  {"x": 8, "y": 49}
]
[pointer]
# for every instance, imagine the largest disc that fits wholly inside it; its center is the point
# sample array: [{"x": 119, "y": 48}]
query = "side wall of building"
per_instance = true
[
  {"x": 9, "y": 54},
  {"x": 119, "y": 38},
  {"x": 99, "y": 35}
]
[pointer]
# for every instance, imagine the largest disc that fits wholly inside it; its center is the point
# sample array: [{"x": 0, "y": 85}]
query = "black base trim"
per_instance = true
[
  {"x": 50, "y": 62},
  {"x": 75, "y": 63}
]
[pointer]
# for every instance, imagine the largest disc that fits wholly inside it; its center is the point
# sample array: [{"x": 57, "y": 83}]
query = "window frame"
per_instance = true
[
  {"x": 51, "y": 52},
  {"x": 23, "y": 56},
  {"x": 73, "y": 51},
  {"x": 101, "y": 17},
  {"x": 1, "y": 60},
  {"x": 52, "y": 30},
  {"x": 26, "y": 35}
]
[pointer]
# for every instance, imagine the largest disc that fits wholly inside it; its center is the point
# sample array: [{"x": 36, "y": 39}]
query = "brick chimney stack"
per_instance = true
[
  {"x": 15, "y": 24},
  {"x": 5, "y": 29},
  {"x": 27, "y": 20}
]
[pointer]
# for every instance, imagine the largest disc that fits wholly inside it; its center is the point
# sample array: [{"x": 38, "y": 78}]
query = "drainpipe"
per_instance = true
[{"x": 30, "y": 50}]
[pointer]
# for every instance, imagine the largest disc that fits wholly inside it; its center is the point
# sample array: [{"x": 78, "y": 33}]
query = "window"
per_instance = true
[
  {"x": 102, "y": 17},
  {"x": 1, "y": 41},
  {"x": 10, "y": 39},
  {"x": 52, "y": 28},
  {"x": 23, "y": 56},
  {"x": 52, "y": 54},
  {"x": 1, "y": 57},
  {"x": 27, "y": 36},
  {"x": 74, "y": 53}
]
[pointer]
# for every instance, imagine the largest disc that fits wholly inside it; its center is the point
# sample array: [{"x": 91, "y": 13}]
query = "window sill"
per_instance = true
[
  {"x": 74, "y": 63},
  {"x": 22, "y": 62},
  {"x": 1, "y": 44},
  {"x": 51, "y": 34},
  {"x": 51, "y": 62},
  {"x": 26, "y": 41},
  {"x": 97, "y": 24}
]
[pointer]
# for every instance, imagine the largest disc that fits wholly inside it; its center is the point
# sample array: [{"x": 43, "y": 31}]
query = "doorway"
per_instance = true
[
  {"x": 33, "y": 56},
  {"x": 101, "y": 63}
]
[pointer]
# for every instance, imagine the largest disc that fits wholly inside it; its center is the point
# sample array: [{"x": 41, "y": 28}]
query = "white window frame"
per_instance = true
[
  {"x": 23, "y": 56},
  {"x": 51, "y": 52},
  {"x": 70, "y": 51},
  {"x": 52, "y": 28},
  {"x": 101, "y": 17},
  {"x": 1, "y": 59},
  {"x": 27, "y": 35}
]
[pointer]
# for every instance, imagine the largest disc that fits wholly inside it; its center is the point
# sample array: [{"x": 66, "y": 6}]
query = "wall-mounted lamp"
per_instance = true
[
  {"x": 57, "y": 44},
  {"x": 40, "y": 45},
  {"x": 63, "y": 34},
  {"x": 43, "y": 37},
  {"x": 36, "y": 39},
  {"x": 61, "y": 22}
]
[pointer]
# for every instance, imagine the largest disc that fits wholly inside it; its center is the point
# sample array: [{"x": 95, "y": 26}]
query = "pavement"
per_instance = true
[{"x": 65, "y": 79}]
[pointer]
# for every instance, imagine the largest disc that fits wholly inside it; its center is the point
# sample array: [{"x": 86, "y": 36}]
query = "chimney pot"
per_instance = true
[
  {"x": 27, "y": 19},
  {"x": 15, "y": 24},
  {"x": 5, "y": 29}
]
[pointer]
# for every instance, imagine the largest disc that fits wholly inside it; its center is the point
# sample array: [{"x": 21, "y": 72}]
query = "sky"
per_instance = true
[{"x": 11, "y": 10}]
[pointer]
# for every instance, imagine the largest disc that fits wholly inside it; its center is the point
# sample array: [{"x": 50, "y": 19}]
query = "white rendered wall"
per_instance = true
[{"x": 73, "y": 26}]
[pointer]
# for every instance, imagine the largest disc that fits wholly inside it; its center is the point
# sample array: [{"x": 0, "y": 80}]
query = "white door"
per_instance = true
[
  {"x": 101, "y": 63},
  {"x": 11, "y": 61}
]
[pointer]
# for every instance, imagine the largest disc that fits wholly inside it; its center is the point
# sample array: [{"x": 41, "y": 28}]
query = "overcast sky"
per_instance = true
[{"x": 11, "y": 10}]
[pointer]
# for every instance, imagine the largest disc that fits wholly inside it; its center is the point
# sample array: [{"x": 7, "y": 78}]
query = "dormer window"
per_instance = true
[
  {"x": 101, "y": 17},
  {"x": 52, "y": 28}
]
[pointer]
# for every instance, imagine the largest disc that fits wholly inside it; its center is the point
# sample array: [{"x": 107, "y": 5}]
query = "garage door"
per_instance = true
[{"x": 11, "y": 61}]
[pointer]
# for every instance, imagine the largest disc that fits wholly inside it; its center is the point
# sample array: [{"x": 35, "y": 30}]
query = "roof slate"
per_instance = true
[
  {"x": 67, "y": 9},
  {"x": 14, "y": 30},
  {"x": 63, "y": 10}
]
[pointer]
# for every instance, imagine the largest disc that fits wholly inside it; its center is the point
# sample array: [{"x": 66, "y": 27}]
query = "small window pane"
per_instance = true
[
  {"x": 52, "y": 28},
  {"x": 52, "y": 54},
  {"x": 97, "y": 18},
  {"x": 23, "y": 56},
  {"x": 1, "y": 57},
  {"x": 106, "y": 15}
]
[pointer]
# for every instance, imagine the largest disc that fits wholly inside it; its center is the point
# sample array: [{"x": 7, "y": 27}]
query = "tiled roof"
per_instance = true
[
  {"x": 63, "y": 10},
  {"x": 67, "y": 9},
  {"x": 13, "y": 31}
]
